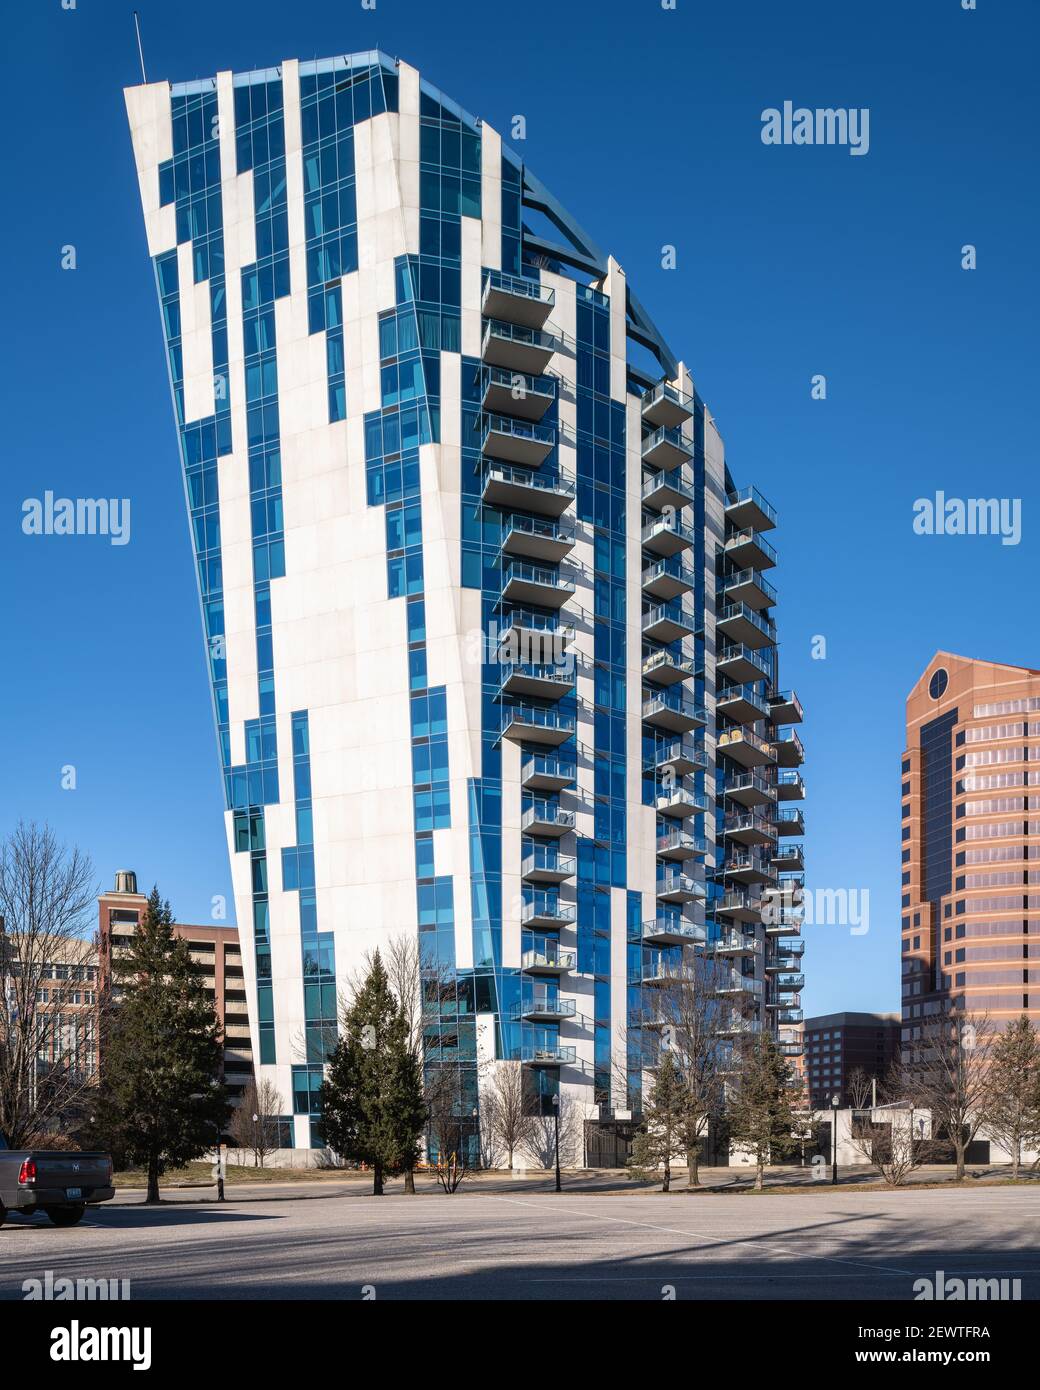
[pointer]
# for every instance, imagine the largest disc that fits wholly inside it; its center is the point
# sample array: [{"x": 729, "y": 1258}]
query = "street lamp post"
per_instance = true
[
  {"x": 256, "y": 1161},
  {"x": 556, "y": 1129},
  {"x": 835, "y": 1102}
]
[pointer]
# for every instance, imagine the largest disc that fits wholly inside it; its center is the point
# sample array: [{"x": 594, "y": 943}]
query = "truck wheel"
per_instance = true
[{"x": 66, "y": 1216}]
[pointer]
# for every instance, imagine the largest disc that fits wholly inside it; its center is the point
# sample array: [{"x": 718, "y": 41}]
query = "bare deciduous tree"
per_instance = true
[
  {"x": 450, "y": 1127},
  {"x": 891, "y": 1147},
  {"x": 254, "y": 1123},
  {"x": 506, "y": 1107},
  {"x": 541, "y": 1142},
  {"x": 946, "y": 1070},
  {"x": 48, "y": 894},
  {"x": 859, "y": 1088},
  {"x": 1012, "y": 1103}
]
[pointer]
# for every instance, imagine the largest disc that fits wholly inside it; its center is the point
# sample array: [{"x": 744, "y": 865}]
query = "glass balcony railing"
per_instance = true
[
  {"x": 669, "y": 524},
  {"x": 544, "y": 953},
  {"x": 670, "y": 615},
  {"x": 669, "y": 481},
  {"x": 546, "y": 813},
  {"x": 667, "y": 437},
  {"x": 750, "y": 496},
  {"x": 659, "y": 927},
  {"x": 748, "y": 695},
  {"x": 545, "y": 909},
  {"x": 670, "y": 568},
  {"x": 681, "y": 840},
  {"x": 790, "y": 981},
  {"x": 535, "y": 1055},
  {"x": 738, "y": 540},
  {"x": 537, "y": 717},
  {"x": 519, "y": 285},
  {"x": 519, "y": 429},
  {"x": 537, "y": 574},
  {"x": 665, "y": 393},
  {"x": 739, "y": 578},
  {"x": 548, "y": 765},
  {"x": 538, "y": 528},
  {"x": 675, "y": 702},
  {"x": 746, "y": 782},
  {"x": 544, "y": 1004},
  {"x": 679, "y": 883},
  {"x": 560, "y": 674},
  {"x": 732, "y": 611},
  {"x": 736, "y": 651},
  {"x": 523, "y": 477},
  {"x": 520, "y": 334},
  {"x": 547, "y": 859}
]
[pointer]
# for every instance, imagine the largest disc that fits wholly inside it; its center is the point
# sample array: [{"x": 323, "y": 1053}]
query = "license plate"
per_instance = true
[{"x": 74, "y": 1192}]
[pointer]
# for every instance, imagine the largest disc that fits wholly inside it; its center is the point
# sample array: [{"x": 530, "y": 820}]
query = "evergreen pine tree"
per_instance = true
[
  {"x": 372, "y": 1108},
  {"x": 160, "y": 1100},
  {"x": 665, "y": 1114},
  {"x": 761, "y": 1114}
]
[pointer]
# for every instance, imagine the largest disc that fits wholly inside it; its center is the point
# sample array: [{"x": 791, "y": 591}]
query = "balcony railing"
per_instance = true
[
  {"x": 533, "y": 1056},
  {"x": 747, "y": 507},
  {"x": 666, "y": 448},
  {"x": 516, "y": 297},
  {"x": 546, "y": 814},
  {"x": 665, "y": 404}
]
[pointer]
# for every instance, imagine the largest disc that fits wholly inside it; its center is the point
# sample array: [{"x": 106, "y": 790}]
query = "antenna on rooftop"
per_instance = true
[{"x": 140, "y": 50}]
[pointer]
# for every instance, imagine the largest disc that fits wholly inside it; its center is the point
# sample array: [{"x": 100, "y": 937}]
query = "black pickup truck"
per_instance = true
[{"x": 54, "y": 1181}]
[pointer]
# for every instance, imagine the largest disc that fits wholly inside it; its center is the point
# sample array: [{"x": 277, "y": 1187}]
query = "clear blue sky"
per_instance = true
[{"x": 791, "y": 261}]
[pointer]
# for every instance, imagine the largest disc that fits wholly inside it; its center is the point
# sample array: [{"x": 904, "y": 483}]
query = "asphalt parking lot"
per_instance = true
[{"x": 287, "y": 1243}]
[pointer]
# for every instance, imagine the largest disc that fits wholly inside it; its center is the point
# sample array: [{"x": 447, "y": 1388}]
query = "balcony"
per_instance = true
[
  {"x": 735, "y": 943},
  {"x": 742, "y": 624},
  {"x": 742, "y": 907},
  {"x": 680, "y": 802},
  {"x": 783, "y": 921},
  {"x": 733, "y": 982},
  {"x": 538, "y": 538},
  {"x": 742, "y": 703},
  {"x": 749, "y": 550},
  {"x": 533, "y": 724},
  {"x": 748, "y": 508},
  {"x": 545, "y": 681},
  {"x": 546, "y": 818},
  {"x": 748, "y": 586},
  {"x": 744, "y": 747},
  {"x": 749, "y": 829},
  {"x": 666, "y": 405},
  {"x": 669, "y": 709},
  {"x": 739, "y": 663},
  {"x": 543, "y": 1008},
  {"x": 531, "y": 1055},
  {"x": 667, "y": 622},
  {"x": 668, "y": 578},
  {"x": 527, "y": 635},
  {"x": 749, "y": 789},
  {"x": 663, "y": 667},
  {"x": 788, "y": 1047},
  {"x": 748, "y": 866},
  {"x": 666, "y": 448},
  {"x": 517, "y": 441},
  {"x": 789, "y": 786},
  {"x": 541, "y": 584},
  {"x": 786, "y": 707},
  {"x": 666, "y": 535},
  {"x": 664, "y": 489},
  {"x": 546, "y": 772},
  {"x": 795, "y": 949},
  {"x": 790, "y": 983},
  {"x": 790, "y": 822},
  {"x": 672, "y": 931},
  {"x": 517, "y": 347},
  {"x": 545, "y": 864},
  {"x": 545, "y": 911},
  {"x": 789, "y": 857},
  {"x": 678, "y": 755},
  {"x": 658, "y": 972},
  {"x": 515, "y": 393},
  {"x": 680, "y": 844},
  {"x": 516, "y": 299},
  {"x": 790, "y": 1016},
  {"x": 543, "y": 956},
  {"x": 732, "y": 1025},
  {"x": 789, "y": 750},
  {"x": 674, "y": 886},
  {"x": 516, "y": 489},
  {"x": 788, "y": 960}
]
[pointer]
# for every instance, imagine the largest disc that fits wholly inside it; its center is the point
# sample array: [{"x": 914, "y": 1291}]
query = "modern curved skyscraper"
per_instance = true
[{"x": 491, "y": 646}]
